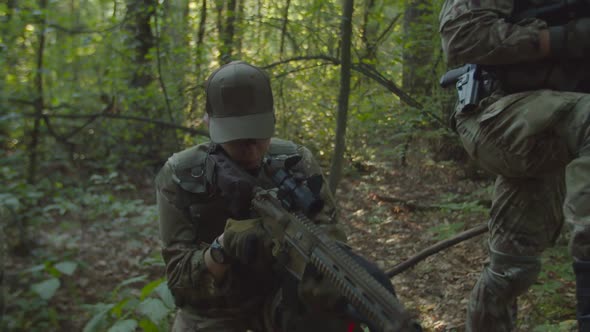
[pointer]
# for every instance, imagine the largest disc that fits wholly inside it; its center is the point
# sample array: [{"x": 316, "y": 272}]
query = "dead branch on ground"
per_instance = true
[{"x": 437, "y": 247}]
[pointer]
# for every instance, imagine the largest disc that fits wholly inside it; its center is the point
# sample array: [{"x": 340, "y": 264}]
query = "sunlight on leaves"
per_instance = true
[
  {"x": 148, "y": 326},
  {"x": 149, "y": 288}
]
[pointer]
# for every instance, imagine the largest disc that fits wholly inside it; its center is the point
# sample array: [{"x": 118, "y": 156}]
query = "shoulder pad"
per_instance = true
[
  {"x": 188, "y": 167},
  {"x": 282, "y": 147}
]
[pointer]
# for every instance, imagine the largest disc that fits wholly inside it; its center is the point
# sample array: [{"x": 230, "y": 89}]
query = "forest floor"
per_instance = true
[
  {"x": 394, "y": 212},
  {"x": 391, "y": 212}
]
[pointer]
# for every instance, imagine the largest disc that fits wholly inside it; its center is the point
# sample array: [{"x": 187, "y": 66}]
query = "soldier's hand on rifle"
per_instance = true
[
  {"x": 571, "y": 40},
  {"x": 247, "y": 241}
]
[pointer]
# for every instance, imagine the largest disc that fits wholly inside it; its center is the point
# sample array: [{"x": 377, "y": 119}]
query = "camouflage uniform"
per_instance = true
[
  {"x": 192, "y": 215},
  {"x": 532, "y": 130}
]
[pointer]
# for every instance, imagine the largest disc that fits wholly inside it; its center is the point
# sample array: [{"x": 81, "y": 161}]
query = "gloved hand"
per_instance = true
[
  {"x": 247, "y": 241},
  {"x": 571, "y": 40},
  {"x": 319, "y": 294}
]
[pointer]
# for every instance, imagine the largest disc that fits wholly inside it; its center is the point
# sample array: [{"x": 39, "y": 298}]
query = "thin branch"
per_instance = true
[
  {"x": 370, "y": 72},
  {"x": 21, "y": 101},
  {"x": 102, "y": 114},
  {"x": 437, "y": 247},
  {"x": 388, "y": 29},
  {"x": 125, "y": 117},
  {"x": 295, "y": 70},
  {"x": 159, "y": 65},
  {"x": 328, "y": 58}
]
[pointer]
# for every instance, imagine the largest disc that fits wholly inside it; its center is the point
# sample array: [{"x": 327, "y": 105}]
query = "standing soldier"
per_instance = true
[{"x": 530, "y": 125}]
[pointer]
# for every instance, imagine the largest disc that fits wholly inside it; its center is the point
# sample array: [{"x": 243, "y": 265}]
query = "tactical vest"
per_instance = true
[
  {"x": 554, "y": 74},
  {"x": 197, "y": 196}
]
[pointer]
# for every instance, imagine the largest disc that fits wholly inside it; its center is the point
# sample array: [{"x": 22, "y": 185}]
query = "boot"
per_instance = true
[{"x": 582, "y": 271}]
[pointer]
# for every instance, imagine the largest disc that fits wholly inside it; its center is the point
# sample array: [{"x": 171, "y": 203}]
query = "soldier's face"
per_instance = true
[{"x": 247, "y": 153}]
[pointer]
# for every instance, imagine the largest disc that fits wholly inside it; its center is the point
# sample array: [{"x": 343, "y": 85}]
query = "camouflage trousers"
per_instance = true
[
  {"x": 538, "y": 144},
  {"x": 191, "y": 322},
  {"x": 262, "y": 321}
]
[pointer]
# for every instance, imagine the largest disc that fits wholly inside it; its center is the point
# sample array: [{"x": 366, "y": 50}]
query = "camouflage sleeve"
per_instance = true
[
  {"x": 477, "y": 31},
  {"x": 186, "y": 272},
  {"x": 328, "y": 217}
]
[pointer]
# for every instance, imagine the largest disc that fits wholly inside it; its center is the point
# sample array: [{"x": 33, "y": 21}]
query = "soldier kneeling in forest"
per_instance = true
[{"x": 205, "y": 243}]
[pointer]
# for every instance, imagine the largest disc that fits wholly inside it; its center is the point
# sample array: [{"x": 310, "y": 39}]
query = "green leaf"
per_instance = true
[
  {"x": 46, "y": 289},
  {"x": 94, "y": 323},
  {"x": 148, "y": 326},
  {"x": 165, "y": 294},
  {"x": 35, "y": 268},
  {"x": 154, "y": 309},
  {"x": 66, "y": 267},
  {"x": 132, "y": 280},
  {"x": 118, "y": 308},
  {"x": 128, "y": 325},
  {"x": 149, "y": 288},
  {"x": 10, "y": 200}
]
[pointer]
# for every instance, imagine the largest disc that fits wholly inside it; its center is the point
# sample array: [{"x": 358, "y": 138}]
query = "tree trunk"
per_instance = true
[
  {"x": 226, "y": 23},
  {"x": 418, "y": 48},
  {"x": 39, "y": 101},
  {"x": 139, "y": 15},
  {"x": 370, "y": 47},
  {"x": 345, "y": 68},
  {"x": 200, "y": 55},
  {"x": 238, "y": 35},
  {"x": 284, "y": 28}
]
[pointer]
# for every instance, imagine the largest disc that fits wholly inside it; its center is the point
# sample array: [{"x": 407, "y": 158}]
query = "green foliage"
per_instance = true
[
  {"x": 552, "y": 297},
  {"x": 29, "y": 305},
  {"x": 446, "y": 230},
  {"x": 468, "y": 204},
  {"x": 566, "y": 326},
  {"x": 37, "y": 214},
  {"x": 151, "y": 309}
]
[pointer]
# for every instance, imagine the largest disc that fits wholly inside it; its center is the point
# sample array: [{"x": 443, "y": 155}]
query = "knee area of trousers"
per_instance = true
[{"x": 514, "y": 275}]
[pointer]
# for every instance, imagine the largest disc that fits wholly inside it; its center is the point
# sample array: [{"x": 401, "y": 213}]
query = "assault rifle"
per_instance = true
[
  {"x": 469, "y": 79},
  {"x": 286, "y": 206}
]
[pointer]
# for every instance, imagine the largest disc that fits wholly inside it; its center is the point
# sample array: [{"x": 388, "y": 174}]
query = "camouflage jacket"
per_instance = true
[
  {"x": 192, "y": 215},
  {"x": 484, "y": 32}
]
